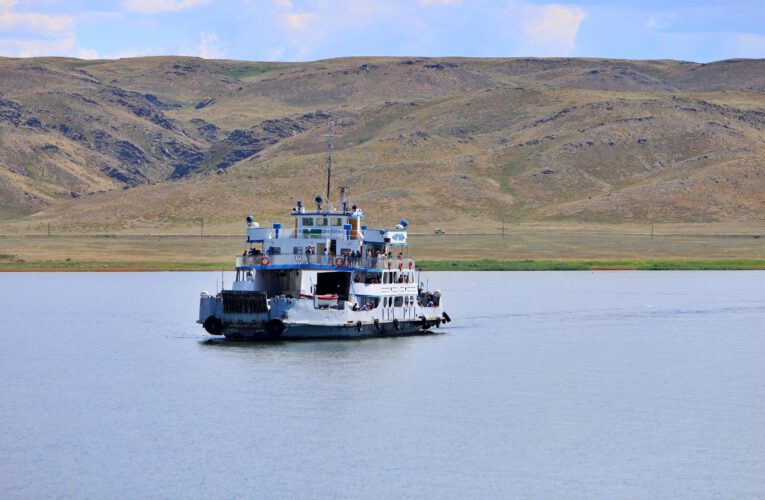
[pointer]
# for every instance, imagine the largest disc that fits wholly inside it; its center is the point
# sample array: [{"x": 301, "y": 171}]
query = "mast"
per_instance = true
[
  {"x": 329, "y": 160},
  {"x": 330, "y": 148}
]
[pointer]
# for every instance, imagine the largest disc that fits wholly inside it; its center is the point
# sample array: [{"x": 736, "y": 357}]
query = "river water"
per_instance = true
[{"x": 545, "y": 385}]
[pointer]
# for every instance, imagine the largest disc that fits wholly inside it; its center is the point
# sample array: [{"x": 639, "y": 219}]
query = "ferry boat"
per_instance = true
[{"x": 325, "y": 275}]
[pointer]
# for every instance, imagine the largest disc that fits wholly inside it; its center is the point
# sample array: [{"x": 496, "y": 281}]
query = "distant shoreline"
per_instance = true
[{"x": 423, "y": 265}]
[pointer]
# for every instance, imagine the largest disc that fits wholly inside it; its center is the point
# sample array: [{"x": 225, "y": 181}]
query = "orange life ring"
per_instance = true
[
  {"x": 410, "y": 264},
  {"x": 339, "y": 261},
  {"x": 265, "y": 261}
]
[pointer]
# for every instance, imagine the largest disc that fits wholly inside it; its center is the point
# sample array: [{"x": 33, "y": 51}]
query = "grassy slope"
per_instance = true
[{"x": 453, "y": 143}]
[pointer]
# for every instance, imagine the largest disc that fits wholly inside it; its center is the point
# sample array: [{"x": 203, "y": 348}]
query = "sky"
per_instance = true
[{"x": 303, "y": 30}]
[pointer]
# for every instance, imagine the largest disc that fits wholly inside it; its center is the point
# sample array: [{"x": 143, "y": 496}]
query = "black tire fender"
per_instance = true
[
  {"x": 446, "y": 317},
  {"x": 213, "y": 325},
  {"x": 274, "y": 327},
  {"x": 396, "y": 325}
]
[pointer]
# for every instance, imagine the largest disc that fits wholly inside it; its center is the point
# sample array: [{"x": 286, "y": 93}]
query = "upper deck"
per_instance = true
[
  {"x": 323, "y": 262},
  {"x": 395, "y": 237}
]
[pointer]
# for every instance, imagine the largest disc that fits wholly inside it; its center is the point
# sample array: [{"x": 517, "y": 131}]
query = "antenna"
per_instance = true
[{"x": 330, "y": 147}]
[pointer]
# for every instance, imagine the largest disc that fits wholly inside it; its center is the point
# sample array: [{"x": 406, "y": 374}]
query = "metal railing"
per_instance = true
[
  {"x": 312, "y": 260},
  {"x": 330, "y": 233}
]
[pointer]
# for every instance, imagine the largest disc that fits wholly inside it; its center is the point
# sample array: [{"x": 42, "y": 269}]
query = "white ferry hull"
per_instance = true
[
  {"x": 249, "y": 316},
  {"x": 306, "y": 331}
]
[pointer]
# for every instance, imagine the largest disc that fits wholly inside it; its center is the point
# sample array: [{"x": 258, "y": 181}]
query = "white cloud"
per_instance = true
[
  {"x": 749, "y": 45},
  {"x": 551, "y": 29},
  {"x": 123, "y": 54},
  {"x": 152, "y": 6},
  {"x": 37, "y": 48},
  {"x": 31, "y": 21},
  {"x": 87, "y": 54},
  {"x": 299, "y": 21},
  {"x": 209, "y": 46},
  {"x": 659, "y": 22},
  {"x": 33, "y": 34},
  {"x": 308, "y": 27},
  {"x": 441, "y": 2}
]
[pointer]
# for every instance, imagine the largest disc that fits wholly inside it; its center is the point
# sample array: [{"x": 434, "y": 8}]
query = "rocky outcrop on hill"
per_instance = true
[{"x": 540, "y": 138}]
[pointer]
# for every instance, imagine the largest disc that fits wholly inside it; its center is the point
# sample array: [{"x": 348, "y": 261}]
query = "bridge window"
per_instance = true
[
  {"x": 337, "y": 221},
  {"x": 308, "y": 221},
  {"x": 398, "y": 302},
  {"x": 322, "y": 221}
]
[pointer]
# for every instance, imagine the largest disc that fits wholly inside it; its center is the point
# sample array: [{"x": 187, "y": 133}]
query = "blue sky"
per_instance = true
[{"x": 297, "y": 30}]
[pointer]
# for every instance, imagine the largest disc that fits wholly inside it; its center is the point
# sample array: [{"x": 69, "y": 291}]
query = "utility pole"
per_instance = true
[
  {"x": 651, "y": 229},
  {"x": 48, "y": 228},
  {"x": 201, "y": 228}
]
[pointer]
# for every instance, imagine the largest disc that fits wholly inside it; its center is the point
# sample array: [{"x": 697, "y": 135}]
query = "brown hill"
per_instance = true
[{"x": 163, "y": 141}]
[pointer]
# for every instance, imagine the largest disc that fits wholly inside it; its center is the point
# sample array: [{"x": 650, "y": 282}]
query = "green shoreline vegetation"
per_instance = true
[{"x": 424, "y": 265}]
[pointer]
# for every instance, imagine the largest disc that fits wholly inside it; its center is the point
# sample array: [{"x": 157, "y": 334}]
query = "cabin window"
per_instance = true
[
  {"x": 385, "y": 278},
  {"x": 322, "y": 221},
  {"x": 308, "y": 221},
  {"x": 398, "y": 302},
  {"x": 297, "y": 250},
  {"x": 337, "y": 221}
]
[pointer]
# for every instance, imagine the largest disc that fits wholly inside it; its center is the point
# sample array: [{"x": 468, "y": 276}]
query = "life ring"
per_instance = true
[
  {"x": 410, "y": 264},
  {"x": 339, "y": 261},
  {"x": 264, "y": 261},
  {"x": 298, "y": 257}
]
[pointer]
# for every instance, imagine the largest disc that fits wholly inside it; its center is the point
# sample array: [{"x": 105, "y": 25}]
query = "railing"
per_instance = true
[
  {"x": 312, "y": 260},
  {"x": 331, "y": 233},
  {"x": 397, "y": 236}
]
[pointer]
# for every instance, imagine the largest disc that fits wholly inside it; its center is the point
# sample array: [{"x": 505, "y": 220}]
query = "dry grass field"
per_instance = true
[{"x": 683, "y": 242}]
